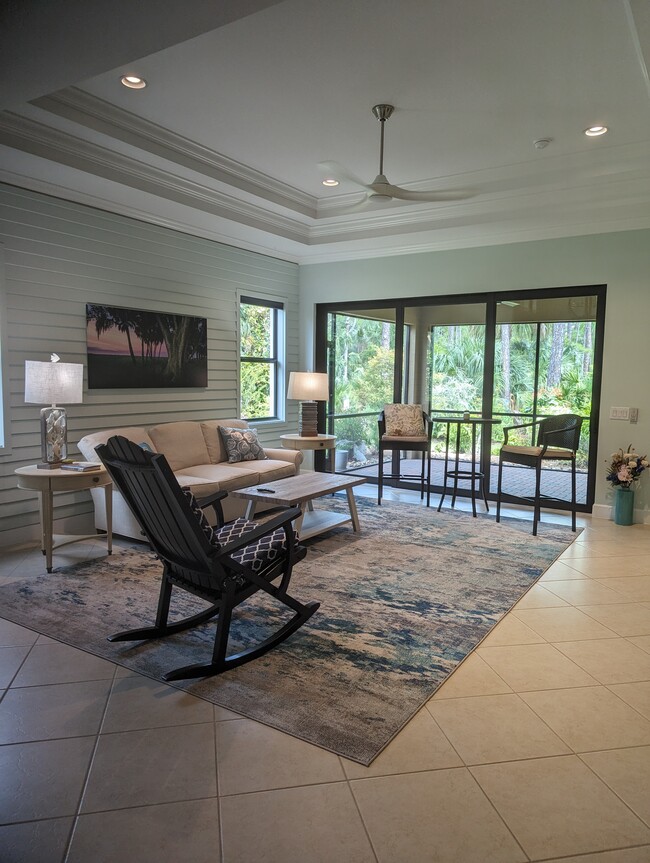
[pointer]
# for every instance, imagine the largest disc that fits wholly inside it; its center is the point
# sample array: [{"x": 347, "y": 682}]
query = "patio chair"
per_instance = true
[
  {"x": 405, "y": 427},
  {"x": 558, "y": 438},
  {"x": 223, "y": 565}
]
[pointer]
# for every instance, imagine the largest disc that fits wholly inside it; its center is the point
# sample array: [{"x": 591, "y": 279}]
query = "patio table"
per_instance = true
[{"x": 474, "y": 474}]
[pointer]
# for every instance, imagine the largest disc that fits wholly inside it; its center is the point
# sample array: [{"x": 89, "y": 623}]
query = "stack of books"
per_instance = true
[{"x": 81, "y": 466}]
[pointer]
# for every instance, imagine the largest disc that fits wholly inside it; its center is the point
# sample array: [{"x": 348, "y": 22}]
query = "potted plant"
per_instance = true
[
  {"x": 624, "y": 470},
  {"x": 343, "y": 448}
]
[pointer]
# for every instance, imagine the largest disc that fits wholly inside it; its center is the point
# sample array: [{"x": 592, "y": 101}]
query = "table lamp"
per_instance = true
[
  {"x": 308, "y": 388},
  {"x": 49, "y": 383}
]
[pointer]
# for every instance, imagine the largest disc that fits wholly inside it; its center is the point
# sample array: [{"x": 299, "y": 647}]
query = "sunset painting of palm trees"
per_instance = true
[{"x": 135, "y": 348}]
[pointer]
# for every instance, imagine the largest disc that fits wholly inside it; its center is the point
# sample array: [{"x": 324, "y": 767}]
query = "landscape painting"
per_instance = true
[{"x": 135, "y": 348}]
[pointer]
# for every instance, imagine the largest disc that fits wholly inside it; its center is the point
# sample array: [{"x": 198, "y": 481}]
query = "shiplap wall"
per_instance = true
[{"x": 58, "y": 256}]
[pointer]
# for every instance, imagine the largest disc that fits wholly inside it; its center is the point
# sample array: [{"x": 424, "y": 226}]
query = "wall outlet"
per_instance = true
[
  {"x": 634, "y": 415},
  {"x": 619, "y": 413}
]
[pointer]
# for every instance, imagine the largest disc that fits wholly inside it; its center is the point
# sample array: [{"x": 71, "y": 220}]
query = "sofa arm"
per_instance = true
[{"x": 292, "y": 455}]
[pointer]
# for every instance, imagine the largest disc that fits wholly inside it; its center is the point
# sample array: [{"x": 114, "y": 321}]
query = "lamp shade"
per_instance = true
[
  {"x": 308, "y": 386},
  {"x": 53, "y": 383}
]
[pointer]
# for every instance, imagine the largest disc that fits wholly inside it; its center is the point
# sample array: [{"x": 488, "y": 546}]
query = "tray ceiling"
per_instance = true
[{"x": 226, "y": 139}]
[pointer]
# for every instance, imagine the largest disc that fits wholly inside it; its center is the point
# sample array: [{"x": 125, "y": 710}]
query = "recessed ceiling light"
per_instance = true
[
  {"x": 595, "y": 131},
  {"x": 330, "y": 181},
  {"x": 133, "y": 82}
]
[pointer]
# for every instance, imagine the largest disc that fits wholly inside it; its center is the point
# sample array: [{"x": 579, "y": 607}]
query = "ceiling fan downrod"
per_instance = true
[{"x": 382, "y": 113}]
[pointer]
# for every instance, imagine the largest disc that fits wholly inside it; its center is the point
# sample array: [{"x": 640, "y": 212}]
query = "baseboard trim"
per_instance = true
[{"x": 601, "y": 510}]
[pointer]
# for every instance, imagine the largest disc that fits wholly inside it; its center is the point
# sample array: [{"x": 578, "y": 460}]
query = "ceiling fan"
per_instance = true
[{"x": 380, "y": 189}]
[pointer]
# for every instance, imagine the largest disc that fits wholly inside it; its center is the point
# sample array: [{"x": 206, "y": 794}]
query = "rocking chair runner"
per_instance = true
[{"x": 224, "y": 565}]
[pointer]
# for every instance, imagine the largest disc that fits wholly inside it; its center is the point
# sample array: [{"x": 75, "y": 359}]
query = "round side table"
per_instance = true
[
  {"x": 46, "y": 482},
  {"x": 321, "y": 441}
]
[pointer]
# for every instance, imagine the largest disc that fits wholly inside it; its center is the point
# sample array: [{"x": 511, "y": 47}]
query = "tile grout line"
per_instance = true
[{"x": 84, "y": 784}]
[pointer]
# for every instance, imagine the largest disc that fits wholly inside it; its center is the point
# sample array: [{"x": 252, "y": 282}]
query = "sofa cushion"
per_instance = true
[
  {"x": 213, "y": 440},
  {"x": 241, "y": 444},
  {"x": 267, "y": 470},
  {"x": 217, "y": 477},
  {"x": 182, "y": 443},
  {"x": 137, "y": 434},
  {"x": 258, "y": 554}
]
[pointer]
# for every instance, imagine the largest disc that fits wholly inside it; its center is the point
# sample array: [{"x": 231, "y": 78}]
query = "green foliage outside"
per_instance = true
[
  {"x": 364, "y": 351},
  {"x": 365, "y": 358}
]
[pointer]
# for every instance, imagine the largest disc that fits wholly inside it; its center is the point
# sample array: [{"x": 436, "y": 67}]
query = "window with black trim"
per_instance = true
[{"x": 260, "y": 347}]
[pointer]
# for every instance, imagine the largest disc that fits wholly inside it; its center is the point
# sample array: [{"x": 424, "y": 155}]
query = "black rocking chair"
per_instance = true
[{"x": 223, "y": 565}]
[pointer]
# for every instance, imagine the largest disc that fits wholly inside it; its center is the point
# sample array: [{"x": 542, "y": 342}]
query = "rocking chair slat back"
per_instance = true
[{"x": 153, "y": 494}]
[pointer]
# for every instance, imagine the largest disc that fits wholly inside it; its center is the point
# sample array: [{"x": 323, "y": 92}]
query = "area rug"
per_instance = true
[{"x": 402, "y": 604}]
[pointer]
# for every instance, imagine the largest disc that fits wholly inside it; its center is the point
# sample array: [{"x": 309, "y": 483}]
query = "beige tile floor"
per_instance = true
[{"x": 536, "y": 748}]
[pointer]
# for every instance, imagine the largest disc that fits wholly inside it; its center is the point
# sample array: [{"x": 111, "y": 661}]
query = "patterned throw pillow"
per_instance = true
[
  {"x": 404, "y": 420},
  {"x": 241, "y": 444}
]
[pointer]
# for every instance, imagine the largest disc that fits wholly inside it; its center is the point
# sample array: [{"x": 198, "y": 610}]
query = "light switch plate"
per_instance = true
[
  {"x": 634, "y": 415},
  {"x": 619, "y": 413}
]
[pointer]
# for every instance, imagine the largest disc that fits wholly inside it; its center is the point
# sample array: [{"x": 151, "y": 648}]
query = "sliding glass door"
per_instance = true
[
  {"x": 544, "y": 365},
  {"x": 514, "y": 357}
]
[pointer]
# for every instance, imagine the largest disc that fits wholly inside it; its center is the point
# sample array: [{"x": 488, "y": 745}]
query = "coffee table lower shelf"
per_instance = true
[
  {"x": 302, "y": 490},
  {"x": 317, "y": 521}
]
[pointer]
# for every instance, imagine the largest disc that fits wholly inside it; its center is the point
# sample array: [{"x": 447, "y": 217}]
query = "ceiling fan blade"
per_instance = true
[
  {"x": 368, "y": 204},
  {"x": 339, "y": 172},
  {"x": 408, "y": 195}
]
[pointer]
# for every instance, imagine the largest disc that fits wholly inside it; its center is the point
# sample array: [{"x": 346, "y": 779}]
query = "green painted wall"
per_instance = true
[{"x": 619, "y": 260}]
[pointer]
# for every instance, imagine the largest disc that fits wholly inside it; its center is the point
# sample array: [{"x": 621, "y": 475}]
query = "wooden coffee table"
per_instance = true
[{"x": 300, "y": 491}]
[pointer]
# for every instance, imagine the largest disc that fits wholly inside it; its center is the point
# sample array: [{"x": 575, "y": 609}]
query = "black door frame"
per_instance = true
[{"x": 490, "y": 299}]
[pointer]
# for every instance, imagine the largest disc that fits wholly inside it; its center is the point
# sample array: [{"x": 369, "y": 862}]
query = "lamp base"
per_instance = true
[
  {"x": 308, "y": 419},
  {"x": 54, "y": 437}
]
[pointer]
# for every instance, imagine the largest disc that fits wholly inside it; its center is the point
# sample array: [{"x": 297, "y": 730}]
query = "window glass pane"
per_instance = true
[
  {"x": 456, "y": 348},
  {"x": 256, "y": 324},
  {"x": 365, "y": 361},
  {"x": 566, "y": 329},
  {"x": 260, "y": 355},
  {"x": 361, "y": 364},
  {"x": 514, "y": 368},
  {"x": 257, "y": 390}
]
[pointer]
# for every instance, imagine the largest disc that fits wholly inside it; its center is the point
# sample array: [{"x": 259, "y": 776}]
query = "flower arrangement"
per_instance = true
[{"x": 626, "y": 467}]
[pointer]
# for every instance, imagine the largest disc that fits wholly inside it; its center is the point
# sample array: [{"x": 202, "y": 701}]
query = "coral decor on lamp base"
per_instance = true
[{"x": 54, "y": 437}]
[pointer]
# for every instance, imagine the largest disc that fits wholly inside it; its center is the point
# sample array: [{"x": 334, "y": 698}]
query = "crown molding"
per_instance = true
[
  {"x": 569, "y": 195},
  {"x": 472, "y": 237},
  {"x": 94, "y": 113},
  {"x": 32, "y": 137}
]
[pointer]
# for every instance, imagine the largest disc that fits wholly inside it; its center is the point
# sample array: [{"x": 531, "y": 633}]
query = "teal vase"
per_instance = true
[{"x": 624, "y": 506}]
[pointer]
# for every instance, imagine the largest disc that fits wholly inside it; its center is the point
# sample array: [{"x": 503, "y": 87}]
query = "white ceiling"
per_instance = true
[{"x": 226, "y": 139}]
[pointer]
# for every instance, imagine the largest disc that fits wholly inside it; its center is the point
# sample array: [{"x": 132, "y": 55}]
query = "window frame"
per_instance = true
[
  {"x": 275, "y": 360},
  {"x": 5, "y": 442}
]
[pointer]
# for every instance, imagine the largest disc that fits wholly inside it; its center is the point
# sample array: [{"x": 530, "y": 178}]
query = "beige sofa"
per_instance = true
[{"x": 196, "y": 454}]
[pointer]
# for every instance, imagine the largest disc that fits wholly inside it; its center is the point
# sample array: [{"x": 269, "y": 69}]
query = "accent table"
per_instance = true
[
  {"x": 321, "y": 441},
  {"x": 46, "y": 482},
  {"x": 474, "y": 474}
]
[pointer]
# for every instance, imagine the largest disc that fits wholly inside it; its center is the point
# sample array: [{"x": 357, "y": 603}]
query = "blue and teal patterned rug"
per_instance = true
[{"x": 402, "y": 604}]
